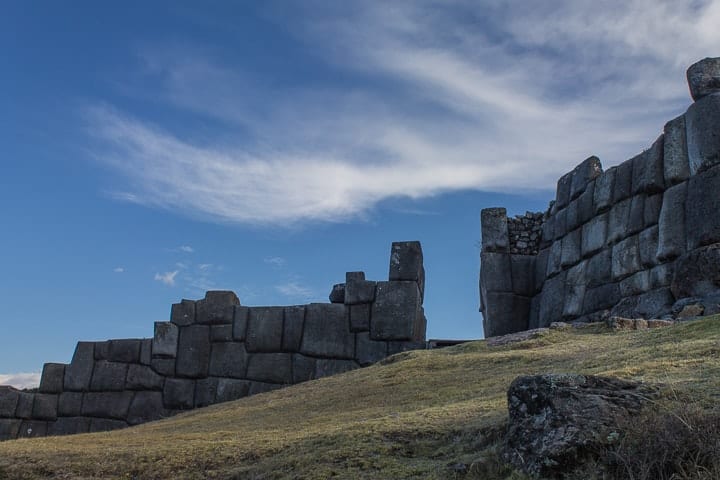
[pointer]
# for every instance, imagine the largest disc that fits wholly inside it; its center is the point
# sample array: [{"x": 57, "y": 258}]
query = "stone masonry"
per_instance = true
[
  {"x": 215, "y": 350},
  {"x": 630, "y": 241}
]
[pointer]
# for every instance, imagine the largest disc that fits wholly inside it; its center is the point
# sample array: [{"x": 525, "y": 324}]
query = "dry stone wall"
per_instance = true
[
  {"x": 632, "y": 241},
  {"x": 214, "y": 350}
]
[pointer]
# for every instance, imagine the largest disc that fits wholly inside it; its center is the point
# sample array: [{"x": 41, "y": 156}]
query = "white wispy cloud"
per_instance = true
[
  {"x": 294, "y": 290},
  {"x": 488, "y": 95},
  {"x": 276, "y": 262},
  {"x": 21, "y": 380},
  {"x": 185, "y": 249},
  {"x": 118, "y": 269},
  {"x": 168, "y": 278}
]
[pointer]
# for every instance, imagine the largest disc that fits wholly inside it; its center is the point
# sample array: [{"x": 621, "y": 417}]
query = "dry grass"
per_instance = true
[{"x": 409, "y": 418}]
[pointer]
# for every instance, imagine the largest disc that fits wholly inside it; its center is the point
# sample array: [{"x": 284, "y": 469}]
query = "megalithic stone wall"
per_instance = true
[
  {"x": 214, "y": 350},
  {"x": 631, "y": 241}
]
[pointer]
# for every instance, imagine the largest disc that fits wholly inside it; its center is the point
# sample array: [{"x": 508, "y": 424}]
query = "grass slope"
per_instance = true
[{"x": 409, "y": 417}]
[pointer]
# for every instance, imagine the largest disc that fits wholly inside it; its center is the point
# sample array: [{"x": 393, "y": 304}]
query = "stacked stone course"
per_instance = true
[
  {"x": 215, "y": 350},
  {"x": 525, "y": 233}
]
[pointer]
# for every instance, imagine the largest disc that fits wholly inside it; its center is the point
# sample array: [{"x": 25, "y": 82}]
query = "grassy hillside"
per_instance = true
[{"x": 410, "y": 417}]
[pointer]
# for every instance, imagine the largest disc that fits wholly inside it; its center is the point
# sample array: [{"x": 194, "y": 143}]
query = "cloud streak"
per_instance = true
[
  {"x": 168, "y": 278},
  {"x": 21, "y": 380}
]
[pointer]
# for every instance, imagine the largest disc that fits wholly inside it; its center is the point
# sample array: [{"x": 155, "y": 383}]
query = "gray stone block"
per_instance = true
[
  {"x": 270, "y": 367},
  {"x": 360, "y": 317},
  {"x": 653, "y": 304},
  {"x": 141, "y": 377},
  {"x": 183, "y": 313},
  {"x": 106, "y": 425},
  {"x": 163, "y": 366},
  {"x": 303, "y": 368},
  {"x": 583, "y": 174},
  {"x": 676, "y": 165},
  {"x": 146, "y": 351},
  {"x": 8, "y": 401},
  {"x": 618, "y": 220},
  {"x": 496, "y": 272},
  {"x": 702, "y": 122},
  {"x": 494, "y": 230},
  {"x": 636, "y": 284},
  {"x": 126, "y": 350},
  {"x": 24, "y": 405},
  {"x": 358, "y": 290},
  {"x": 107, "y": 404},
  {"x": 45, "y": 406},
  {"x": 534, "y": 317},
  {"x": 265, "y": 329},
  {"x": 661, "y": 276},
  {"x": 623, "y": 181},
  {"x": 206, "y": 391},
  {"x": 102, "y": 350},
  {"x": 704, "y": 78},
  {"x": 604, "y": 188},
  {"x": 553, "y": 299},
  {"x": 575, "y": 285},
  {"x": 541, "y": 262},
  {"x": 368, "y": 351},
  {"x": 216, "y": 308},
  {"x": 69, "y": 426},
  {"x": 193, "y": 356},
  {"x": 697, "y": 273},
  {"x": 221, "y": 333},
  {"x": 53, "y": 376},
  {"x": 560, "y": 228},
  {"x": 33, "y": 429},
  {"x": 326, "y": 367},
  {"x": 78, "y": 373},
  {"x": 165, "y": 340},
  {"x": 146, "y": 407},
  {"x": 648, "y": 173},
  {"x": 548, "y": 232},
  {"x": 228, "y": 360},
  {"x": 505, "y": 313},
  {"x": 562, "y": 197},
  {"x": 229, "y": 389},
  {"x": 70, "y": 404},
  {"x": 108, "y": 376},
  {"x": 396, "y": 313},
  {"x": 523, "y": 274},
  {"x": 337, "y": 294},
  {"x": 598, "y": 270},
  {"x": 651, "y": 212},
  {"x": 625, "y": 258},
  {"x": 585, "y": 205},
  {"x": 648, "y": 245},
  {"x": 571, "y": 245},
  {"x": 9, "y": 428},
  {"x": 293, "y": 328},
  {"x": 406, "y": 264},
  {"x": 257, "y": 388},
  {"x": 240, "y": 321},
  {"x": 327, "y": 329},
  {"x": 701, "y": 209},
  {"x": 602, "y": 297},
  {"x": 671, "y": 232},
  {"x": 554, "y": 259},
  {"x": 571, "y": 216},
  {"x": 179, "y": 393},
  {"x": 636, "y": 220},
  {"x": 594, "y": 235}
]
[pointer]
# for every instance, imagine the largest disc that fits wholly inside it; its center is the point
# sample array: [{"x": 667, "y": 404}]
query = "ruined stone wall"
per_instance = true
[
  {"x": 630, "y": 241},
  {"x": 214, "y": 350}
]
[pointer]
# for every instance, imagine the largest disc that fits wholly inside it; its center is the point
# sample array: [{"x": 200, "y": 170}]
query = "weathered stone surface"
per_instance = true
[
  {"x": 575, "y": 285},
  {"x": 303, "y": 368},
  {"x": 558, "y": 421},
  {"x": 496, "y": 272},
  {"x": 583, "y": 174},
  {"x": 618, "y": 220},
  {"x": 24, "y": 405},
  {"x": 560, "y": 228},
  {"x": 523, "y": 274},
  {"x": 505, "y": 313},
  {"x": 102, "y": 350},
  {"x": 107, "y": 404},
  {"x": 240, "y": 322},
  {"x": 8, "y": 401},
  {"x": 78, "y": 373},
  {"x": 9, "y": 428},
  {"x": 548, "y": 232},
  {"x": 229, "y": 389},
  {"x": 69, "y": 426},
  {"x": 293, "y": 325},
  {"x": 601, "y": 297},
  {"x": 397, "y": 313},
  {"x": 651, "y": 212},
  {"x": 163, "y": 366},
  {"x": 265, "y": 329},
  {"x": 141, "y": 377},
  {"x": 146, "y": 351},
  {"x": 193, "y": 356},
  {"x": 661, "y": 276},
  {"x": 625, "y": 258},
  {"x": 623, "y": 181},
  {"x": 571, "y": 245},
  {"x": 406, "y": 264},
  {"x": 125, "y": 350},
  {"x": 221, "y": 333},
  {"x": 671, "y": 233},
  {"x": 648, "y": 174},
  {"x": 585, "y": 206},
  {"x": 217, "y": 307},
  {"x": 553, "y": 299},
  {"x": 571, "y": 216},
  {"x": 704, "y": 78},
  {"x": 562, "y": 196},
  {"x": 165, "y": 340},
  {"x": 702, "y": 207},
  {"x": 70, "y": 404},
  {"x": 106, "y": 425},
  {"x": 554, "y": 259},
  {"x": 179, "y": 393},
  {"x": 357, "y": 289},
  {"x": 676, "y": 165},
  {"x": 594, "y": 235},
  {"x": 45, "y": 406},
  {"x": 635, "y": 284},
  {"x": 636, "y": 219},
  {"x": 360, "y": 317},
  {"x": 368, "y": 351},
  {"x": 653, "y": 304},
  {"x": 691, "y": 311},
  {"x": 206, "y": 391},
  {"x": 108, "y": 376},
  {"x": 327, "y": 329},
  {"x": 53, "y": 376},
  {"x": 697, "y": 273},
  {"x": 324, "y": 367},
  {"x": 337, "y": 294},
  {"x": 270, "y": 367},
  {"x": 493, "y": 222},
  {"x": 183, "y": 313},
  {"x": 604, "y": 187},
  {"x": 648, "y": 245},
  {"x": 702, "y": 122},
  {"x": 541, "y": 261},
  {"x": 228, "y": 360},
  {"x": 33, "y": 429},
  {"x": 145, "y": 407}
]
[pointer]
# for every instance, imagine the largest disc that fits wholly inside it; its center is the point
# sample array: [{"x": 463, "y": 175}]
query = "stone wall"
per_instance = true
[
  {"x": 635, "y": 240},
  {"x": 214, "y": 350}
]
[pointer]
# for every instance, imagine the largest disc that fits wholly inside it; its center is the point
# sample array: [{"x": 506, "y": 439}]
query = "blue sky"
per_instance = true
[{"x": 154, "y": 150}]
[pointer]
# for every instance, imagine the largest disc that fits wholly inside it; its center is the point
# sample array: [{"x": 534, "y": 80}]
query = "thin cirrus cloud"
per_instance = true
[
  {"x": 168, "y": 278},
  {"x": 469, "y": 97},
  {"x": 295, "y": 290},
  {"x": 21, "y": 380}
]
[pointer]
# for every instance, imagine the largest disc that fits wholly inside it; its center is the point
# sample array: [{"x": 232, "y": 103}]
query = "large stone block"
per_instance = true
[
  {"x": 702, "y": 217},
  {"x": 602, "y": 297},
  {"x": 541, "y": 262},
  {"x": 406, "y": 264},
  {"x": 594, "y": 235},
  {"x": 703, "y": 78},
  {"x": 702, "y": 122},
  {"x": 163, "y": 366},
  {"x": 636, "y": 284},
  {"x": 653, "y": 304},
  {"x": 228, "y": 360},
  {"x": 548, "y": 232},
  {"x": 70, "y": 404},
  {"x": 216, "y": 307},
  {"x": 360, "y": 317},
  {"x": 697, "y": 273},
  {"x": 575, "y": 285},
  {"x": 396, "y": 313},
  {"x": 141, "y": 377},
  {"x": 107, "y": 404},
  {"x": 206, "y": 391},
  {"x": 165, "y": 340},
  {"x": 337, "y": 294},
  {"x": 661, "y": 276},
  {"x": 534, "y": 317},
  {"x": 9, "y": 428},
  {"x": 146, "y": 407},
  {"x": 303, "y": 368},
  {"x": 494, "y": 230},
  {"x": 126, "y": 350},
  {"x": 229, "y": 389},
  {"x": 554, "y": 259},
  {"x": 571, "y": 245},
  {"x": 357, "y": 289},
  {"x": 179, "y": 393},
  {"x": 33, "y": 429},
  {"x": 240, "y": 322},
  {"x": 505, "y": 313},
  {"x": 78, "y": 373},
  {"x": 270, "y": 367},
  {"x": 675, "y": 165},
  {"x": 25, "y": 405},
  {"x": 671, "y": 225},
  {"x": 585, "y": 206},
  {"x": 368, "y": 351},
  {"x": 651, "y": 212},
  {"x": 293, "y": 328},
  {"x": 648, "y": 173},
  {"x": 648, "y": 245},
  {"x": 8, "y": 401},
  {"x": 325, "y": 367},
  {"x": 623, "y": 181},
  {"x": 108, "y": 376},
  {"x": 183, "y": 313},
  {"x": 553, "y": 299},
  {"x": 523, "y": 274},
  {"x": 583, "y": 174},
  {"x": 636, "y": 219},
  {"x": 327, "y": 329},
  {"x": 604, "y": 187},
  {"x": 45, "y": 406},
  {"x": 496, "y": 272},
  {"x": 625, "y": 258},
  {"x": 53, "y": 377},
  {"x": 265, "y": 329},
  {"x": 571, "y": 216},
  {"x": 193, "y": 356},
  {"x": 560, "y": 228},
  {"x": 221, "y": 333},
  {"x": 102, "y": 350},
  {"x": 562, "y": 197},
  {"x": 69, "y": 426},
  {"x": 146, "y": 351},
  {"x": 618, "y": 220}
]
